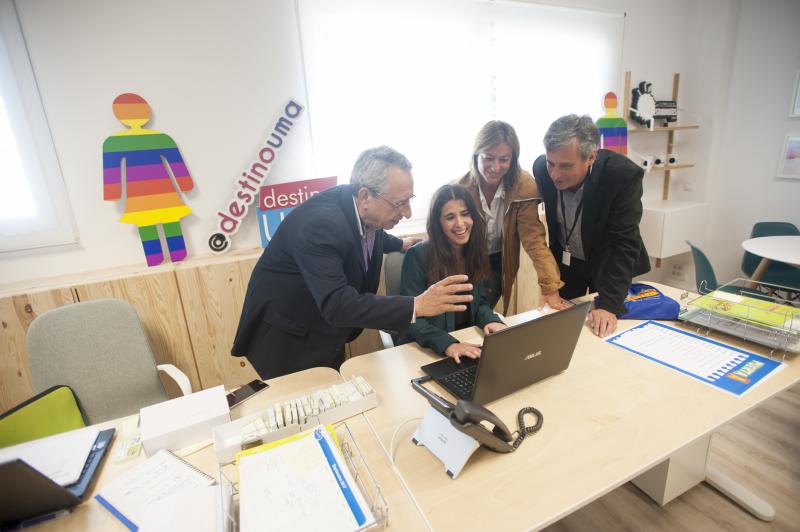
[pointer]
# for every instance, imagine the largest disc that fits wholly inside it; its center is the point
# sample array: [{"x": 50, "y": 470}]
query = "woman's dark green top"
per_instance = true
[{"x": 432, "y": 331}]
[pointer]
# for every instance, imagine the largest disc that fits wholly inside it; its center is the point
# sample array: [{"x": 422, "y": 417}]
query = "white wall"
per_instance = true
[
  {"x": 216, "y": 74},
  {"x": 766, "y": 61}
]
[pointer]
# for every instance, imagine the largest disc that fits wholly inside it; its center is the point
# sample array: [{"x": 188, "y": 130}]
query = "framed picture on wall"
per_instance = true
[
  {"x": 789, "y": 166},
  {"x": 795, "y": 110}
]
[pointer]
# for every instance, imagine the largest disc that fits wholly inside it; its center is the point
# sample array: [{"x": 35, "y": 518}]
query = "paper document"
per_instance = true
[
  {"x": 299, "y": 483},
  {"x": 60, "y": 457},
  {"x": 726, "y": 367},
  {"x": 197, "y": 509},
  {"x": 135, "y": 495}
]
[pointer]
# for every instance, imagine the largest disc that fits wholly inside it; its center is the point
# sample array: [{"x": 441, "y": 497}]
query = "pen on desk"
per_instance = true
[{"x": 42, "y": 519}]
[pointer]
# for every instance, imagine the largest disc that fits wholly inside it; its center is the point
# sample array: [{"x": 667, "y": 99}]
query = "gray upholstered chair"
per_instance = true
[
  {"x": 392, "y": 267},
  {"x": 100, "y": 350}
]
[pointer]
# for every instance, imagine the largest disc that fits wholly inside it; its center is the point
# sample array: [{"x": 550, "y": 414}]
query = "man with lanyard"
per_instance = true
[{"x": 593, "y": 202}]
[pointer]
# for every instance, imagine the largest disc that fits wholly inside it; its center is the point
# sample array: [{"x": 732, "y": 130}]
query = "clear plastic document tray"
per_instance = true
[{"x": 363, "y": 477}]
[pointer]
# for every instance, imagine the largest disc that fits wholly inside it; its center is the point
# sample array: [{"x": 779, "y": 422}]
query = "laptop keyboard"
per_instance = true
[{"x": 462, "y": 382}]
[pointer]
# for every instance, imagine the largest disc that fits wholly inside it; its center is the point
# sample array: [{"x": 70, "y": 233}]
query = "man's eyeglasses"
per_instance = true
[{"x": 399, "y": 205}]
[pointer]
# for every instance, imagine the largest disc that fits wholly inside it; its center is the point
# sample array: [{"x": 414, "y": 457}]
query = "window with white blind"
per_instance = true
[
  {"x": 423, "y": 76},
  {"x": 34, "y": 208}
]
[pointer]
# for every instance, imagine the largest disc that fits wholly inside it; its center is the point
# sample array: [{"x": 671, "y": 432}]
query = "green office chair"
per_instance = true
[
  {"x": 705, "y": 279},
  {"x": 392, "y": 268},
  {"x": 777, "y": 273},
  {"x": 53, "y": 411}
]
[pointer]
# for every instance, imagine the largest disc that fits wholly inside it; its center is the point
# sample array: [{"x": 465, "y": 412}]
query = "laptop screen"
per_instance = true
[{"x": 520, "y": 355}]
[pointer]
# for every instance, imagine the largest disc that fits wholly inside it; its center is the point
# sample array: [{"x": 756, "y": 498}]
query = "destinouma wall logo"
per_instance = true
[{"x": 229, "y": 218}]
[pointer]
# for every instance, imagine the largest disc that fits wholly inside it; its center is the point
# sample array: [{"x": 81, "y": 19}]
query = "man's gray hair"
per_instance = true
[
  {"x": 372, "y": 167},
  {"x": 569, "y": 127}
]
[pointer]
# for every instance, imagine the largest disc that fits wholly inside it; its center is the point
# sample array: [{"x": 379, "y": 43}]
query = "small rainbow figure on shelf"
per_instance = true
[
  {"x": 142, "y": 159},
  {"x": 613, "y": 128}
]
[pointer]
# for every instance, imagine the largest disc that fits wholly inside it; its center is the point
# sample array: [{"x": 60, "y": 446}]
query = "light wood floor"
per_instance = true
[{"x": 761, "y": 449}]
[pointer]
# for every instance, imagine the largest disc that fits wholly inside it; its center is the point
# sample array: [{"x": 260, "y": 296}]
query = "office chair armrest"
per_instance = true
[{"x": 178, "y": 377}]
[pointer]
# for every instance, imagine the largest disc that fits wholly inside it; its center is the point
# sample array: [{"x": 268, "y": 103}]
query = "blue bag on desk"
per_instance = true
[{"x": 645, "y": 302}]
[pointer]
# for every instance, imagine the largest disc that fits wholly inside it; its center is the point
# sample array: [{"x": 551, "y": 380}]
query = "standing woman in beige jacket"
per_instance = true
[{"x": 508, "y": 200}]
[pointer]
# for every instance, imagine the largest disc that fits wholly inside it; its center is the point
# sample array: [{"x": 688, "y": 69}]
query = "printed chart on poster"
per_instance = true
[{"x": 728, "y": 368}]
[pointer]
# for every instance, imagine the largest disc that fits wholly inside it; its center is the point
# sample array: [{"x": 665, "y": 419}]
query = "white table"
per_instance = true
[
  {"x": 610, "y": 418},
  {"x": 778, "y": 248}
]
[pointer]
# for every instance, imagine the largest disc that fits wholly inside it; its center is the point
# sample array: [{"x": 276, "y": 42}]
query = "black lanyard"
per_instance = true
[{"x": 564, "y": 217}]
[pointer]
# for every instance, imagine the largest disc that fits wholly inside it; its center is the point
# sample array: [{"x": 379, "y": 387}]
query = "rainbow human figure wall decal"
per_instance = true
[
  {"x": 141, "y": 160},
  {"x": 613, "y": 128}
]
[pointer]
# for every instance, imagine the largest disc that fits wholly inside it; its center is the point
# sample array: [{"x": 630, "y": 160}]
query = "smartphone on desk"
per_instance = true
[{"x": 245, "y": 392}]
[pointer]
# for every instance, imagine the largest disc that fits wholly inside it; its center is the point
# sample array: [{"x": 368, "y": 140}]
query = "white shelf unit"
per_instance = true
[{"x": 667, "y": 224}]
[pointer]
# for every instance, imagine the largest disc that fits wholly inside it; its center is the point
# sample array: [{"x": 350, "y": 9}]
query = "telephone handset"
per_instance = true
[{"x": 466, "y": 416}]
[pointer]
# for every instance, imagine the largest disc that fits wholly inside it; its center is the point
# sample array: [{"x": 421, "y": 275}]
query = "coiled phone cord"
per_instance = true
[{"x": 525, "y": 430}]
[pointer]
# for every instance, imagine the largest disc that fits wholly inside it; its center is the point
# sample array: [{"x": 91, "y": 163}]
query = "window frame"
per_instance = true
[{"x": 54, "y": 223}]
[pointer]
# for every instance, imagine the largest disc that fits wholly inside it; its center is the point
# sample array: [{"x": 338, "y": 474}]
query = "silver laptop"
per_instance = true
[{"x": 514, "y": 358}]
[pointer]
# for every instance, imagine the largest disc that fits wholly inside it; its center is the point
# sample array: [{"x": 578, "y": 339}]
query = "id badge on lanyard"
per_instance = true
[{"x": 566, "y": 255}]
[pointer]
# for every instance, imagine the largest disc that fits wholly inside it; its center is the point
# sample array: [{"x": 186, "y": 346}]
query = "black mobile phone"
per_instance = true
[{"x": 245, "y": 392}]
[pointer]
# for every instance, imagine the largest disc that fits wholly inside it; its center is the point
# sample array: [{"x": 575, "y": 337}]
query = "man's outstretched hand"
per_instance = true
[{"x": 444, "y": 296}]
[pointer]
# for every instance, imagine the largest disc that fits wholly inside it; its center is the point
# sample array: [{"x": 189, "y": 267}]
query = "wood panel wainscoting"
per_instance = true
[
  {"x": 16, "y": 314},
  {"x": 189, "y": 311}
]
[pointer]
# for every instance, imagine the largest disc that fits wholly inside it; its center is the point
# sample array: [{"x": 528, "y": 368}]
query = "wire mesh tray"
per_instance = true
[
  {"x": 758, "y": 312},
  {"x": 229, "y": 483}
]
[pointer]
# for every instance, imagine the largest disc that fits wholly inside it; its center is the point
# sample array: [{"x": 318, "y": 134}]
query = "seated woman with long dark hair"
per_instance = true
[{"x": 456, "y": 245}]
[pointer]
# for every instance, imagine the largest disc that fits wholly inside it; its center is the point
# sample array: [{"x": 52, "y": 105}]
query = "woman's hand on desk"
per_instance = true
[
  {"x": 458, "y": 350},
  {"x": 489, "y": 328},
  {"x": 555, "y": 302}
]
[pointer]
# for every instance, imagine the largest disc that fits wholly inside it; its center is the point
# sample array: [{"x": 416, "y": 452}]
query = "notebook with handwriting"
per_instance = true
[{"x": 134, "y": 493}]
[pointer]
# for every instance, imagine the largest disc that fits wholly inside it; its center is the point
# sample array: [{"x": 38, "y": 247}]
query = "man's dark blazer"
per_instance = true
[
  {"x": 612, "y": 210},
  {"x": 309, "y": 292}
]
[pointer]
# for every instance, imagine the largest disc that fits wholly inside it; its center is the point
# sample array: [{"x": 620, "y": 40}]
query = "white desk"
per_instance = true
[
  {"x": 90, "y": 515},
  {"x": 610, "y": 418},
  {"x": 778, "y": 248}
]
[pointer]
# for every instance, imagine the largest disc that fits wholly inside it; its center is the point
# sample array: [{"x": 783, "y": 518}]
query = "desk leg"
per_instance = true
[
  {"x": 687, "y": 468},
  {"x": 739, "y": 494},
  {"x": 677, "y": 474}
]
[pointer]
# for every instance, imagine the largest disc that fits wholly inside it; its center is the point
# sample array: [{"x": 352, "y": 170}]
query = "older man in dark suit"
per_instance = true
[
  {"x": 593, "y": 202},
  {"x": 313, "y": 289}
]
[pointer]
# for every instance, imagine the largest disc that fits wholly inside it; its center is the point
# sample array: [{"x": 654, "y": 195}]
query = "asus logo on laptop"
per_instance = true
[{"x": 533, "y": 355}]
